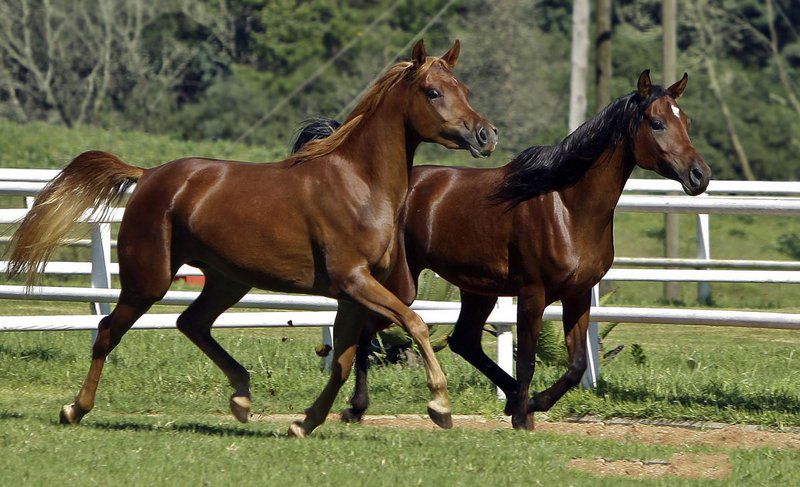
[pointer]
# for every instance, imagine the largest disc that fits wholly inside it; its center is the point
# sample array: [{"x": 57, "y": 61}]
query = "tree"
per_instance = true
[
  {"x": 65, "y": 61},
  {"x": 580, "y": 63},
  {"x": 603, "y": 54}
]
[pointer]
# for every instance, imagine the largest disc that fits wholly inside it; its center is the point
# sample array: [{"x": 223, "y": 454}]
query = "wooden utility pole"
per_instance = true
[
  {"x": 603, "y": 54},
  {"x": 580, "y": 63},
  {"x": 669, "y": 9}
]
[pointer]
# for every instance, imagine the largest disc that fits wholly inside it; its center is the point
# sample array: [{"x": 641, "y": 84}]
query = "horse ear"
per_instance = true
[
  {"x": 451, "y": 56},
  {"x": 676, "y": 90},
  {"x": 418, "y": 54},
  {"x": 644, "y": 86}
]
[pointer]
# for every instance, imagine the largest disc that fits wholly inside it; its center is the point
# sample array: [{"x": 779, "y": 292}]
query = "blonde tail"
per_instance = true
[{"x": 92, "y": 181}]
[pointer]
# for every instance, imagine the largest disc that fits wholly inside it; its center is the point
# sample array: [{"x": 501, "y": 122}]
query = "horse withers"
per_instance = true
[
  {"x": 321, "y": 222},
  {"x": 539, "y": 228}
]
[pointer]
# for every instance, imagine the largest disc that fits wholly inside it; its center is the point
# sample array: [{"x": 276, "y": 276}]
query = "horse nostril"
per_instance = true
[
  {"x": 696, "y": 176},
  {"x": 483, "y": 137}
]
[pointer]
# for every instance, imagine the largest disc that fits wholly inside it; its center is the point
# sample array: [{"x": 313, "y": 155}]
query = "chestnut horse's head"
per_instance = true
[
  {"x": 438, "y": 109},
  {"x": 661, "y": 141}
]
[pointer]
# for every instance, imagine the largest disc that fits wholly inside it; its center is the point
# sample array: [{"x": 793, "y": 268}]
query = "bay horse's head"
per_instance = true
[
  {"x": 438, "y": 109},
  {"x": 661, "y": 142}
]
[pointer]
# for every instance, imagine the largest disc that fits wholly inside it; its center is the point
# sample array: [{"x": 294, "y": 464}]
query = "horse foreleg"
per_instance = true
[
  {"x": 576, "y": 322},
  {"x": 218, "y": 294},
  {"x": 346, "y": 331},
  {"x": 466, "y": 342}
]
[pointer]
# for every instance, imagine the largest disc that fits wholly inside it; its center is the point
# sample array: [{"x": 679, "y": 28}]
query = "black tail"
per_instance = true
[{"x": 314, "y": 129}]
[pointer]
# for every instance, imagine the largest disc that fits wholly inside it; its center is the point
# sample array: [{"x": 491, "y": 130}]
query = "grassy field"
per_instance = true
[{"x": 161, "y": 414}]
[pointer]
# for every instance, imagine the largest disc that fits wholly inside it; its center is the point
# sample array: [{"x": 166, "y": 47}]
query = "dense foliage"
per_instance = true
[{"x": 254, "y": 69}]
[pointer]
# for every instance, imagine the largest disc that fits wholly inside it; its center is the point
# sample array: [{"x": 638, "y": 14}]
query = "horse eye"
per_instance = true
[
  {"x": 657, "y": 125},
  {"x": 433, "y": 94}
]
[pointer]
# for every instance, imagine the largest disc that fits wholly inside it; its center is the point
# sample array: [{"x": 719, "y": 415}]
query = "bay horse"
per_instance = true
[
  {"x": 539, "y": 228},
  {"x": 322, "y": 222}
]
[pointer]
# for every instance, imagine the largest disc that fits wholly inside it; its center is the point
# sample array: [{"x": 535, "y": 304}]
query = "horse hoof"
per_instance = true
[
  {"x": 442, "y": 418},
  {"x": 351, "y": 415},
  {"x": 70, "y": 415},
  {"x": 240, "y": 407},
  {"x": 298, "y": 430},
  {"x": 523, "y": 423}
]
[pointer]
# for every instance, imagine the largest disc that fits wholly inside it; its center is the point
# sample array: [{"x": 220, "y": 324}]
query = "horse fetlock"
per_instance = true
[
  {"x": 352, "y": 415},
  {"x": 240, "y": 405},
  {"x": 522, "y": 421},
  {"x": 540, "y": 402},
  {"x": 299, "y": 429},
  {"x": 72, "y": 414}
]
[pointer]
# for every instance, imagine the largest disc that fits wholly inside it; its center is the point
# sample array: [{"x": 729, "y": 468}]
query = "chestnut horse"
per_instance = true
[
  {"x": 321, "y": 222},
  {"x": 539, "y": 228}
]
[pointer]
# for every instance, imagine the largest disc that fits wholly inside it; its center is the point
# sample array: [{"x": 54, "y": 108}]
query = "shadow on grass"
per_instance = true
[
  {"x": 10, "y": 415},
  {"x": 223, "y": 430},
  {"x": 709, "y": 395},
  {"x": 191, "y": 427},
  {"x": 36, "y": 353}
]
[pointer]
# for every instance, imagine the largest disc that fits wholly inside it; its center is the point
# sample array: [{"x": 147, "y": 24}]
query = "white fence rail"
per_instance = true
[{"x": 317, "y": 311}]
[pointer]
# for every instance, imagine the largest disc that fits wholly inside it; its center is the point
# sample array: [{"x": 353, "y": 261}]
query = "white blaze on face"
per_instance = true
[{"x": 676, "y": 111}]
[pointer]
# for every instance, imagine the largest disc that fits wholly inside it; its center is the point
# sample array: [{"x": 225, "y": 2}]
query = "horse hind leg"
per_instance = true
[
  {"x": 110, "y": 332},
  {"x": 218, "y": 294},
  {"x": 576, "y": 322},
  {"x": 146, "y": 274}
]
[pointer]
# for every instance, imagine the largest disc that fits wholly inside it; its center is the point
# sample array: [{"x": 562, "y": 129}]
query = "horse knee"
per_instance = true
[{"x": 575, "y": 372}]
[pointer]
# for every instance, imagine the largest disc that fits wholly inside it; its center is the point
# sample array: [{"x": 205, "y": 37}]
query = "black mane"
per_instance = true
[
  {"x": 540, "y": 169},
  {"x": 314, "y": 129}
]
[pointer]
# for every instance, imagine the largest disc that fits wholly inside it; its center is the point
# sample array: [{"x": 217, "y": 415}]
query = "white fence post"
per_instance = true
[
  {"x": 505, "y": 343},
  {"x": 589, "y": 379},
  {"x": 327, "y": 339},
  {"x": 703, "y": 252},
  {"x": 101, "y": 260}
]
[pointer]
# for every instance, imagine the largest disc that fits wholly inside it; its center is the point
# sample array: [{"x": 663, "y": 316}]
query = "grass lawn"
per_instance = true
[{"x": 161, "y": 415}]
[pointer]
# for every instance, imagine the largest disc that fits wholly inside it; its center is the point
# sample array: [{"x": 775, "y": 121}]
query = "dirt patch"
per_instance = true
[
  {"x": 735, "y": 437},
  {"x": 739, "y": 437},
  {"x": 683, "y": 465}
]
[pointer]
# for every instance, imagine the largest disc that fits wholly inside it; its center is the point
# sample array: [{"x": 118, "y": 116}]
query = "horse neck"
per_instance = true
[
  {"x": 382, "y": 147},
  {"x": 594, "y": 197}
]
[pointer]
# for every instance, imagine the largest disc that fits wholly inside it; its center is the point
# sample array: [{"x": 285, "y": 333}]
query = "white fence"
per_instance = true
[{"x": 318, "y": 311}]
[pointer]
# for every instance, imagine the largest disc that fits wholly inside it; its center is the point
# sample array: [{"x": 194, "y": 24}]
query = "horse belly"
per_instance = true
[{"x": 262, "y": 246}]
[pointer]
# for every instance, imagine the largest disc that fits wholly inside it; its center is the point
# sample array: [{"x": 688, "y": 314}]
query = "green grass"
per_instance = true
[
  {"x": 161, "y": 413},
  {"x": 695, "y": 373},
  {"x": 40, "y": 145},
  {"x": 194, "y": 449}
]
